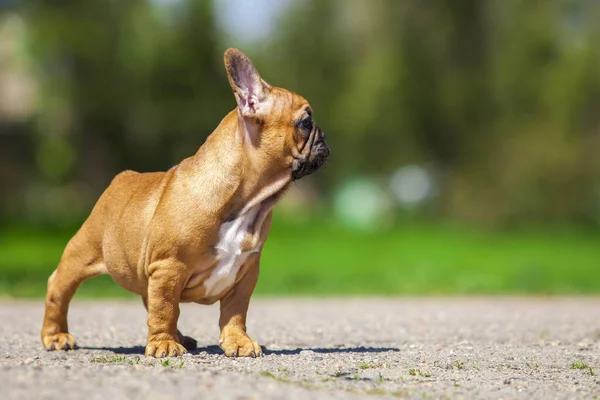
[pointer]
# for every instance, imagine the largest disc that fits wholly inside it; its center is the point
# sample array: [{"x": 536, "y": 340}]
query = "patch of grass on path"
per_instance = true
[
  {"x": 116, "y": 360},
  {"x": 579, "y": 365},
  {"x": 323, "y": 257}
]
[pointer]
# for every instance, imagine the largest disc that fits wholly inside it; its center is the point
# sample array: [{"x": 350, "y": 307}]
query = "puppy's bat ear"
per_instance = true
[{"x": 249, "y": 89}]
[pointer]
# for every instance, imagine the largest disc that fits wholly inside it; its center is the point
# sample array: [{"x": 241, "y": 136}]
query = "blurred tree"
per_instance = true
[
  {"x": 128, "y": 85},
  {"x": 498, "y": 98},
  {"x": 494, "y": 94}
]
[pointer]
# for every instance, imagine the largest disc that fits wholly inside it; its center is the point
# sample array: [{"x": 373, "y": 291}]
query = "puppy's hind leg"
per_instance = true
[{"x": 79, "y": 262}]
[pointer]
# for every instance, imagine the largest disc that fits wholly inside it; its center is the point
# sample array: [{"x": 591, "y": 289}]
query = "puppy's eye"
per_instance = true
[{"x": 306, "y": 123}]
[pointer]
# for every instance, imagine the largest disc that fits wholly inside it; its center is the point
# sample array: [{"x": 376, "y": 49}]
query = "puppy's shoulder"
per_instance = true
[
  {"x": 124, "y": 175},
  {"x": 133, "y": 184},
  {"x": 127, "y": 172},
  {"x": 129, "y": 177}
]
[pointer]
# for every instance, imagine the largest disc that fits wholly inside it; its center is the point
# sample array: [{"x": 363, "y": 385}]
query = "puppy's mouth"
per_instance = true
[{"x": 317, "y": 155}]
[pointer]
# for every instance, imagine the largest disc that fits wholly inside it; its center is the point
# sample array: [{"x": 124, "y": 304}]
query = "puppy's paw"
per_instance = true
[
  {"x": 164, "y": 348},
  {"x": 239, "y": 345},
  {"x": 59, "y": 341}
]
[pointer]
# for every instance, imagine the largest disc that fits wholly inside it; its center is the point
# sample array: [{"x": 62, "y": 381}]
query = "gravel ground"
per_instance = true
[{"x": 471, "y": 348}]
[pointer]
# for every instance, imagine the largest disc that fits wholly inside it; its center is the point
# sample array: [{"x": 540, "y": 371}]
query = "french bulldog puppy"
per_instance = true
[{"x": 195, "y": 232}]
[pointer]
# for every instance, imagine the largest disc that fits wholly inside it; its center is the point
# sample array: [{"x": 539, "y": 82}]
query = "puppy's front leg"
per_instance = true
[
  {"x": 234, "y": 340},
  {"x": 164, "y": 290}
]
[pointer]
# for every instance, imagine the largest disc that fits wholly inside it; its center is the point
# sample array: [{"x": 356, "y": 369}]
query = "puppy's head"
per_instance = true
[{"x": 276, "y": 124}]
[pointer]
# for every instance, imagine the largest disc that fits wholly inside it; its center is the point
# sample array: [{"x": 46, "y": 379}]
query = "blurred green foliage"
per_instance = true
[
  {"x": 323, "y": 257},
  {"x": 498, "y": 99}
]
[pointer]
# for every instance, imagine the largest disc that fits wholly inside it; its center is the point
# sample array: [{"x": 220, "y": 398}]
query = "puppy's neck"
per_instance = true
[
  {"x": 248, "y": 175},
  {"x": 261, "y": 182}
]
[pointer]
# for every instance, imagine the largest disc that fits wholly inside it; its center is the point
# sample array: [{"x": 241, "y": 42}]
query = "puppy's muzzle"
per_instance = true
[{"x": 319, "y": 151}]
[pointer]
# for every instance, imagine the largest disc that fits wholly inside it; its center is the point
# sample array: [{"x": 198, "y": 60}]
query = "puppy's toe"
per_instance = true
[
  {"x": 59, "y": 341},
  {"x": 257, "y": 349},
  {"x": 164, "y": 348},
  {"x": 240, "y": 345}
]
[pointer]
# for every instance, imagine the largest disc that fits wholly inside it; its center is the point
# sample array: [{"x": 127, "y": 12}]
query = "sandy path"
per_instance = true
[{"x": 318, "y": 349}]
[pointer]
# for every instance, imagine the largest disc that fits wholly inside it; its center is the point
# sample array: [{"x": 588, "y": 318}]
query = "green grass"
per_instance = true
[
  {"x": 577, "y": 364},
  {"x": 116, "y": 359},
  {"x": 364, "y": 365},
  {"x": 416, "y": 371},
  {"x": 323, "y": 257},
  {"x": 167, "y": 362}
]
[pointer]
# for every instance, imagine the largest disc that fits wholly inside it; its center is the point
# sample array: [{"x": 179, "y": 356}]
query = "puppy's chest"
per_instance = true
[{"x": 237, "y": 240}]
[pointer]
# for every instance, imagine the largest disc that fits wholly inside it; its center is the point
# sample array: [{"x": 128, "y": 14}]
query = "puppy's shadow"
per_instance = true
[
  {"x": 330, "y": 350},
  {"x": 139, "y": 350}
]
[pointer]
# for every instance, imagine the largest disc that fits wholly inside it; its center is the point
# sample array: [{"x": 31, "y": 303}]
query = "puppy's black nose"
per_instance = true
[{"x": 323, "y": 148}]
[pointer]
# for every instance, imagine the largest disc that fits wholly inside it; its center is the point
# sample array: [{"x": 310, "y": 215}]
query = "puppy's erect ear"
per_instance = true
[{"x": 249, "y": 89}]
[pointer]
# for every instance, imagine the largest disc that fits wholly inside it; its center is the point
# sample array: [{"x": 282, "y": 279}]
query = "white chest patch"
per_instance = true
[{"x": 229, "y": 252}]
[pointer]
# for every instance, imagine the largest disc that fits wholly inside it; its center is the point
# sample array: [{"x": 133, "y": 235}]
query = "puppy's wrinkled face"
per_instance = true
[{"x": 277, "y": 124}]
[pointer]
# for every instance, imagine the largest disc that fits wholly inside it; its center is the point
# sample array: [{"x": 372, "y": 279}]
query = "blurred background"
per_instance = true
[{"x": 465, "y": 135}]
